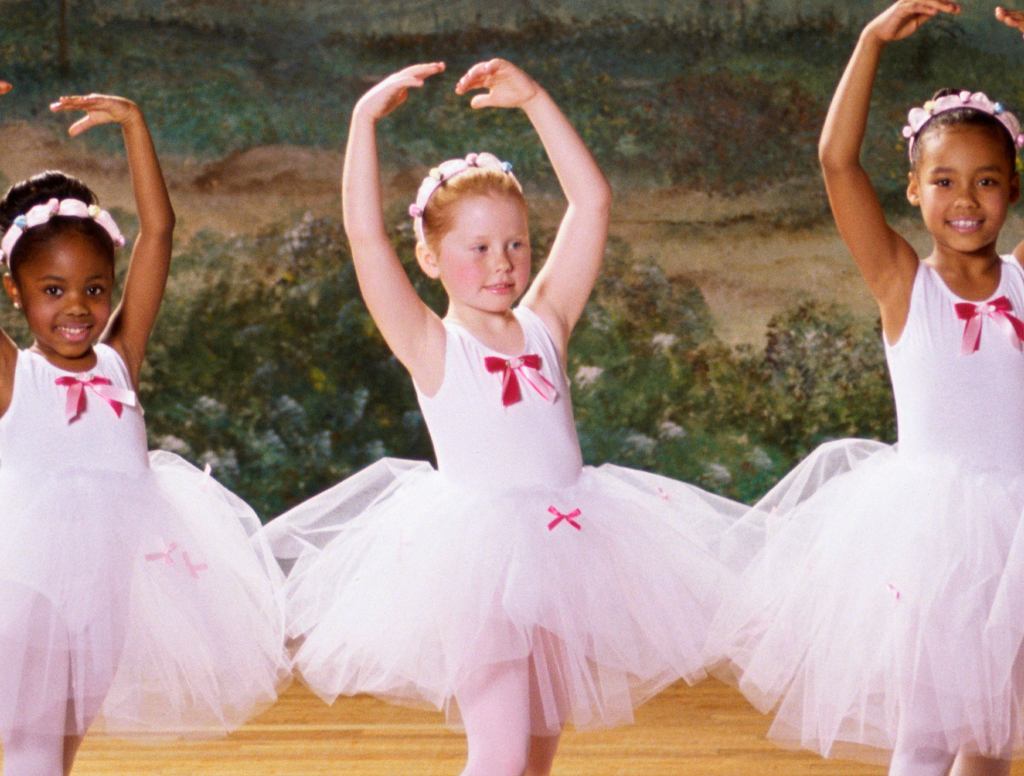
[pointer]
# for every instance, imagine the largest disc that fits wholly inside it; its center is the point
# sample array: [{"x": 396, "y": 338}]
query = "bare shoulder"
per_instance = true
[
  {"x": 8, "y": 362},
  {"x": 132, "y": 363},
  {"x": 553, "y": 322}
]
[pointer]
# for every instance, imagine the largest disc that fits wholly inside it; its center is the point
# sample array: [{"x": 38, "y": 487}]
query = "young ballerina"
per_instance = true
[
  {"x": 884, "y": 611},
  {"x": 513, "y": 586},
  {"x": 132, "y": 600}
]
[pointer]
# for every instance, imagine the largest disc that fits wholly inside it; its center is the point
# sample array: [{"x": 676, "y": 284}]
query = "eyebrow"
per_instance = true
[
  {"x": 62, "y": 279},
  {"x": 987, "y": 168}
]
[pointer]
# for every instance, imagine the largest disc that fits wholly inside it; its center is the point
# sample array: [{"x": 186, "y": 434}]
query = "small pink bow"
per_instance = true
[
  {"x": 998, "y": 310},
  {"x": 570, "y": 518},
  {"x": 510, "y": 368},
  {"x": 114, "y": 396}
]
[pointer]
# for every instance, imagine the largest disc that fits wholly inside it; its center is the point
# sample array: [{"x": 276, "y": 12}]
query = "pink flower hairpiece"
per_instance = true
[
  {"x": 42, "y": 213},
  {"x": 443, "y": 173},
  {"x": 978, "y": 101}
]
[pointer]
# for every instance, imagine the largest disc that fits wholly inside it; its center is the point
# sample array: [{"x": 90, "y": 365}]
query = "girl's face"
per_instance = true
[
  {"x": 964, "y": 185},
  {"x": 483, "y": 261},
  {"x": 65, "y": 291}
]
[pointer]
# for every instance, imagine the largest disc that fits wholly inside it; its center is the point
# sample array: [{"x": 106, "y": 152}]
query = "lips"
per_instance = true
[
  {"x": 500, "y": 288},
  {"x": 74, "y": 333},
  {"x": 965, "y": 225}
]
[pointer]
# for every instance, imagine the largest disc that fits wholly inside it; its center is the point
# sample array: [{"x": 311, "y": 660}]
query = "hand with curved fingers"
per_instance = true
[
  {"x": 507, "y": 86},
  {"x": 130, "y": 326},
  {"x": 905, "y": 17},
  {"x": 1012, "y": 19},
  {"x": 5, "y": 87},
  {"x": 99, "y": 109},
  {"x": 393, "y": 91}
]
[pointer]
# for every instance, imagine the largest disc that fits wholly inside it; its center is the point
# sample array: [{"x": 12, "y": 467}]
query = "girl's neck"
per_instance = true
[
  {"x": 498, "y": 330},
  {"x": 969, "y": 276},
  {"x": 84, "y": 362}
]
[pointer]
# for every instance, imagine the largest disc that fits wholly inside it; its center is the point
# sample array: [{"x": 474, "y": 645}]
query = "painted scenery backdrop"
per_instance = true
[{"x": 729, "y": 334}]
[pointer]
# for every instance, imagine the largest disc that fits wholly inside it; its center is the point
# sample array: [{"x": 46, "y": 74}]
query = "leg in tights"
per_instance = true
[
  {"x": 972, "y": 765},
  {"x": 543, "y": 747},
  {"x": 35, "y": 682},
  {"x": 920, "y": 762},
  {"x": 495, "y": 707},
  {"x": 542, "y": 755}
]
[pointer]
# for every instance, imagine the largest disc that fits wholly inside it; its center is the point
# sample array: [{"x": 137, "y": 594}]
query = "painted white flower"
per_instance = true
[
  {"x": 717, "y": 474},
  {"x": 641, "y": 443},
  {"x": 173, "y": 444},
  {"x": 664, "y": 339},
  {"x": 669, "y": 430},
  {"x": 587, "y": 375},
  {"x": 760, "y": 459}
]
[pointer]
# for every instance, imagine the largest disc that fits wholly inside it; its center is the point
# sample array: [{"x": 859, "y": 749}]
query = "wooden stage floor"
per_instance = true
[{"x": 686, "y": 731}]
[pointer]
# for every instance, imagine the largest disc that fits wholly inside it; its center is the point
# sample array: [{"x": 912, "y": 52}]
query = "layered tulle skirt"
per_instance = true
[
  {"x": 134, "y": 604},
  {"x": 882, "y": 602},
  {"x": 404, "y": 584}
]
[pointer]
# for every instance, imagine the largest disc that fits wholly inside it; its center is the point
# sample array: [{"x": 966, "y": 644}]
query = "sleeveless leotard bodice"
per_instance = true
[
  {"x": 479, "y": 441},
  {"x": 100, "y": 542},
  {"x": 35, "y": 433},
  {"x": 965, "y": 405},
  {"x": 915, "y": 550}
]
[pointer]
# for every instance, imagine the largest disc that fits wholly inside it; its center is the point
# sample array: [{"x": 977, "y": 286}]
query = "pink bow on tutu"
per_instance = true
[
  {"x": 101, "y": 386},
  {"x": 998, "y": 310},
  {"x": 510, "y": 368},
  {"x": 569, "y": 517}
]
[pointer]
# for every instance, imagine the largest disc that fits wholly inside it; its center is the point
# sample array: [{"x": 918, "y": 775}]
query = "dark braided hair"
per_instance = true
[{"x": 40, "y": 189}]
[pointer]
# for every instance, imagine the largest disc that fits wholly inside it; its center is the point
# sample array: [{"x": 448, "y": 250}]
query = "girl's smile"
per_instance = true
[
  {"x": 964, "y": 186},
  {"x": 65, "y": 291},
  {"x": 483, "y": 261}
]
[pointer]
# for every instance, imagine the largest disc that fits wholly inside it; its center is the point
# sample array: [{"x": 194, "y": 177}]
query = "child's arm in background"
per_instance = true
[
  {"x": 1014, "y": 20},
  {"x": 887, "y": 262},
  {"x": 8, "y": 348},
  {"x": 563, "y": 285},
  {"x": 412, "y": 331},
  {"x": 132, "y": 322}
]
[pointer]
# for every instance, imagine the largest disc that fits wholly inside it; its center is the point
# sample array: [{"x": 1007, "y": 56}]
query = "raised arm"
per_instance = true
[
  {"x": 885, "y": 259},
  {"x": 8, "y": 349},
  {"x": 412, "y": 331},
  {"x": 1014, "y": 20},
  {"x": 563, "y": 285},
  {"x": 132, "y": 322}
]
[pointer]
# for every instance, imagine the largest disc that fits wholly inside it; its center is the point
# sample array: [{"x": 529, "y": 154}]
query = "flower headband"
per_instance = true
[
  {"x": 443, "y": 173},
  {"x": 978, "y": 101},
  {"x": 41, "y": 214}
]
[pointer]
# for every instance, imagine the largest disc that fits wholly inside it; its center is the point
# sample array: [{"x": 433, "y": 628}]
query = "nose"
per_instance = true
[
  {"x": 967, "y": 194},
  {"x": 76, "y": 303},
  {"x": 503, "y": 260}
]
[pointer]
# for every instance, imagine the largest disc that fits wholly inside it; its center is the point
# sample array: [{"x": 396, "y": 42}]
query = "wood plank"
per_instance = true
[{"x": 707, "y": 730}]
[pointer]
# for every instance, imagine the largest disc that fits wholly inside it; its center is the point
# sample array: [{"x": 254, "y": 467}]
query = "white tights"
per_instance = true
[
  {"x": 35, "y": 683},
  {"x": 920, "y": 762},
  {"x": 937, "y": 762},
  {"x": 495, "y": 704}
]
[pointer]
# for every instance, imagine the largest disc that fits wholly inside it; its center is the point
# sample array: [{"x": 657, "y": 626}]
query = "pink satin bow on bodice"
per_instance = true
[
  {"x": 998, "y": 310},
  {"x": 511, "y": 369},
  {"x": 75, "y": 405}
]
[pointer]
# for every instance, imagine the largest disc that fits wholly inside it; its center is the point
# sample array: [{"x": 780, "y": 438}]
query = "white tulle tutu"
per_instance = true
[
  {"x": 142, "y": 597},
  {"x": 405, "y": 583},
  {"x": 887, "y": 601}
]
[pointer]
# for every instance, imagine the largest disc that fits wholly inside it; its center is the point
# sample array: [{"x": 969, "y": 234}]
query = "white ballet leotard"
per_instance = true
[
  {"x": 884, "y": 608},
  {"x": 131, "y": 593},
  {"x": 408, "y": 579}
]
